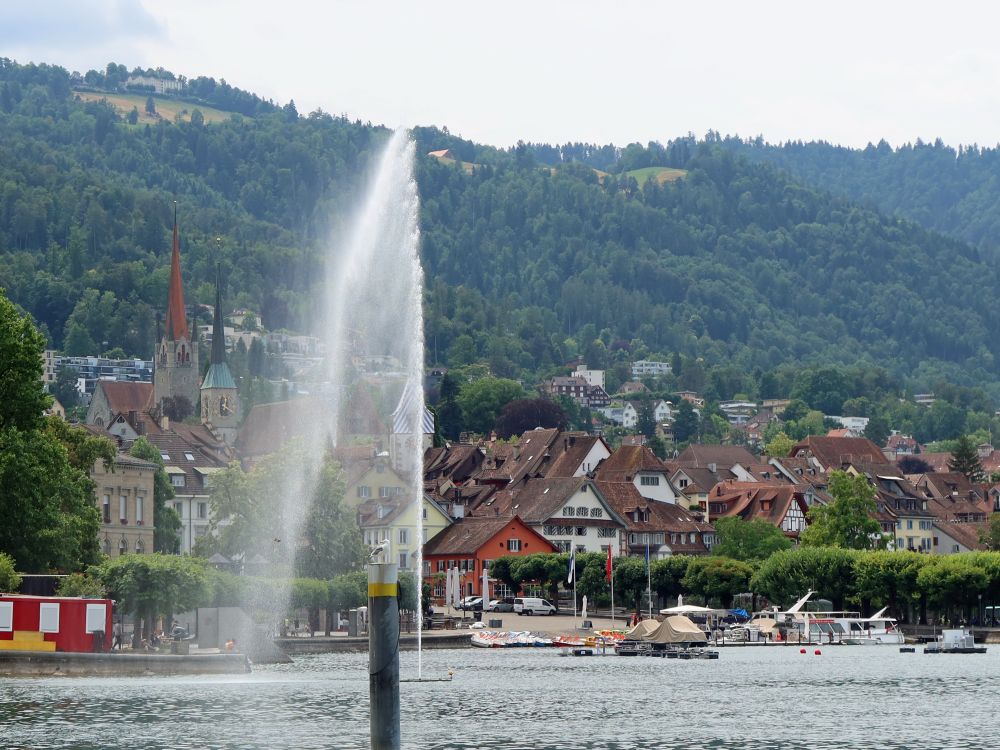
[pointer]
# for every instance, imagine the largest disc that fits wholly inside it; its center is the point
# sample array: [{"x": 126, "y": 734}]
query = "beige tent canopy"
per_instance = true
[
  {"x": 642, "y": 630},
  {"x": 675, "y": 629}
]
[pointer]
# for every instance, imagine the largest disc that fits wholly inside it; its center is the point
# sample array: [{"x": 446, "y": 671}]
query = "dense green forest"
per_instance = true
[
  {"x": 948, "y": 190},
  {"x": 534, "y": 255}
]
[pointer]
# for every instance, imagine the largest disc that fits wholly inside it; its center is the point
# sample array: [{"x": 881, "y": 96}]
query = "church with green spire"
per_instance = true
[{"x": 220, "y": 400}]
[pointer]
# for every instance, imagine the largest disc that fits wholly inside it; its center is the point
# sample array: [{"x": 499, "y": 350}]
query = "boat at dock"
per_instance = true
[
  {"x": 956, "y": 641},
  {"x": 798, "y": 625}
]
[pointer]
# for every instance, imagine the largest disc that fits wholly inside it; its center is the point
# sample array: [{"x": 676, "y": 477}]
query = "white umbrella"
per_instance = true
[
  {"x": 583, "y": 616},
  {"x": 686, "y": 609}
]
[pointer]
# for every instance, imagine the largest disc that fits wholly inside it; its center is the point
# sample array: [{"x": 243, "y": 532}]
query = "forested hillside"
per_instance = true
[
  {"x": 952, "y": 191},
  {"x": 533, "y": 255}
]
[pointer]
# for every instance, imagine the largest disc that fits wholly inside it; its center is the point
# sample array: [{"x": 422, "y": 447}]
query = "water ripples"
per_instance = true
[{"x": 871, "y": 698}]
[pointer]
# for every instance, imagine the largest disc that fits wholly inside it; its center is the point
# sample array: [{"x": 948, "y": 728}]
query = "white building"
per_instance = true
[
  {"x": 593, "y": 377},
  {"x": 644, "y": 368}
]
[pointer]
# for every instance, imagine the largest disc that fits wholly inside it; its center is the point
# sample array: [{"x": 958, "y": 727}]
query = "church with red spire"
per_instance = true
[{"x": 176, "y": 370}]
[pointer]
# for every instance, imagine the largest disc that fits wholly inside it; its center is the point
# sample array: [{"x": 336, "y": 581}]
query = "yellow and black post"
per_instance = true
[{"x": 383, "y": 655}]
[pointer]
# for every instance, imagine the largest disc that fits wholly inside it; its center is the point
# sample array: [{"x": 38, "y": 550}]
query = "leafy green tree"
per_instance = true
[
  {"x": 10, "y": 581},
  {"x": 166, "y": 520},
  {"x": 525, "y": 414},
  {"x": 848, "y": 521},
  {"x": 989, "y": 536},
  {"x": 80, "y": 584},
  {"x": 65, "y": 388},
  {"x": 155, "y": 585},
  {"x": 951, "y": 582},
  {"x": 786, "y": 576},
  {"x": 133, "y": 116},
  {"x": 965, "y": 460},
  {"x": 646, "y": 424},
  {"x": 482, "y": 400},
  {"x": 22, "y": 399},
  {"x": 748, "y": 540},
  {"x": 889, "y": 578},
  {"x": 46, "y": 494},
  {"x": 150, "y": 106},
  {"x": 779, "y": 445},
  {"x": 685, "y": 422},
  {"x": 331, "y": 543},
  {"x": 878, "y": 430},
  {"x": 717, "y": 578},
  {"x": 667, "y": 575}
]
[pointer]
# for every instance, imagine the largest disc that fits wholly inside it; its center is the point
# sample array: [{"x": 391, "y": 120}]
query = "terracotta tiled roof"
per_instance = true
[
  {"x": 835, "y": 452},
  {"x": 723, "y": 456},
  {"x": 123, "y": 396},
  {"x": 575, "y": 448},
  {"x": 535, "y": 501},
  {"x": 468, "y": 535},
  {"x": 756, "y": 500},
  {"x": 626, "y": 462},
  {"x": 268, "y": 427}
]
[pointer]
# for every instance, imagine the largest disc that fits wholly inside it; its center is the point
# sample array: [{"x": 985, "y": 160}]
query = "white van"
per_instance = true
[{"x": 532, "y": 606}]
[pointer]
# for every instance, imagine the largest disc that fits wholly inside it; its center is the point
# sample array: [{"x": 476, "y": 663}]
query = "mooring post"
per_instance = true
[{"x": 383, "y": 655}]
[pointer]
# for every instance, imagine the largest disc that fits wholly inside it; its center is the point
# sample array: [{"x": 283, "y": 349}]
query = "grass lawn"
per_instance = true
[
  {"x": 660, "y": 174},
  {"x": 166, "y": 109}
]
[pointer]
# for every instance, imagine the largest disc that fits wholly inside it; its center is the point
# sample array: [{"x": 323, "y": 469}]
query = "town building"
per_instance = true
[
  {"x": 176, "y": 373},
  {"x": 471, "y": 545},
  {"x": 639, "y": 466},
  {"x": 570, "y": 512},
  {"x": 644, "y": 368},
  {"x": 220, "y": 398},
  {"x": 125, "y": 501},
  {"x": 395, "y": 520},
  {"x": 594, "y": 378}
]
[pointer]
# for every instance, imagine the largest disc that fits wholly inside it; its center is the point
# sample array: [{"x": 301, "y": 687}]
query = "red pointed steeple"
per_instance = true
[{"x": 176, "y": 323}]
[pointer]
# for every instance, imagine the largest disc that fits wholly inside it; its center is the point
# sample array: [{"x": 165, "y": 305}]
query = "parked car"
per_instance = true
[
  {"x": 471, "y": 604},
  {"x": 532, "y": 606},
  {"x": 500, "y": 605}
]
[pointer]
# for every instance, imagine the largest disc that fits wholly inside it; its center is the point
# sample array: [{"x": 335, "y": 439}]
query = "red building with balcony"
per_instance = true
[
  {"x": 472, "y": 542},
  {"x": 54, "y": 623}
]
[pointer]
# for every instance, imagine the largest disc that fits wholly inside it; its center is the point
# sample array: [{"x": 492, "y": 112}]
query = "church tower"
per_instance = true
[
  {"x": 220, "y": 400},
  {"x": 176, "y": 369}
]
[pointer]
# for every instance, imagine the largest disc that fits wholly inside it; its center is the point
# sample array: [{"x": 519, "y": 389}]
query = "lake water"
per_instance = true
[{"x": 850, "y": 696}]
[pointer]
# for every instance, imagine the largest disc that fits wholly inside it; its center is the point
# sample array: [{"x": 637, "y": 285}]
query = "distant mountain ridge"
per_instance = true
[{"x": 532, "y": 257}]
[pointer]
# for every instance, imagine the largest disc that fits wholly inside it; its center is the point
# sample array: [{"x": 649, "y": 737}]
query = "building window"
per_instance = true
[
  {"x": 177, "y": 480},
  {"x": 402, "y": 560},
  {"x": 107, "y": 546},
  {"x": 123, "y": 509},
  {"x": 423, "y": 513},
  {"x": 682, "y": 483},
  {"x": 123, "y": 547},
  {"x": 649, "y": 481},
  {"x": 202, "y": 510},
  {"x": 138, "y": 510},
  {"x": 606, "y": 532},
  {"x": 596, "y": 513},
  {"x": 179, "y": 507},
  {"x": 581, "y": 531},
  {"x": 404, "y": 536},
  {"x": 107, "y": 510},
  {"x": 582, "y": 511},
  {"x": 562, "y": 546},
  {"x": 140, "y": 548},
  {"x": 189, "y": 456},
  {"x": 569, "y": 511},
  {"x": 364, "y": 491},
  {"x": 513, "y": 545}
]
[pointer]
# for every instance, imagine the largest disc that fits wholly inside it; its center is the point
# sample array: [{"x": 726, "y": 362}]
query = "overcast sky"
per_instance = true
[{"x": 623, "y": 71}]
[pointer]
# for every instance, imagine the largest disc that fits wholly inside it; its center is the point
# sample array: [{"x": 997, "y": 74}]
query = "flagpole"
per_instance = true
[
  {"x": 649, "y": 584},
  {"x": 576, "y": 613},
  {"x": 610, "y": 575}
]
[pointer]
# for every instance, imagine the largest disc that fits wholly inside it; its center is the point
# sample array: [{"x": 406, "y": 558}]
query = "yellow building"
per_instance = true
[
  {"x": 371, "y": 479},
  {"x": 125, "y": 501},
  {"x": 395, "y": 519}
]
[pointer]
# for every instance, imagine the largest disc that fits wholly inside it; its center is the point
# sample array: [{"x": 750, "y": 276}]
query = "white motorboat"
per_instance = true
[{"x": 849, "y": 628}]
